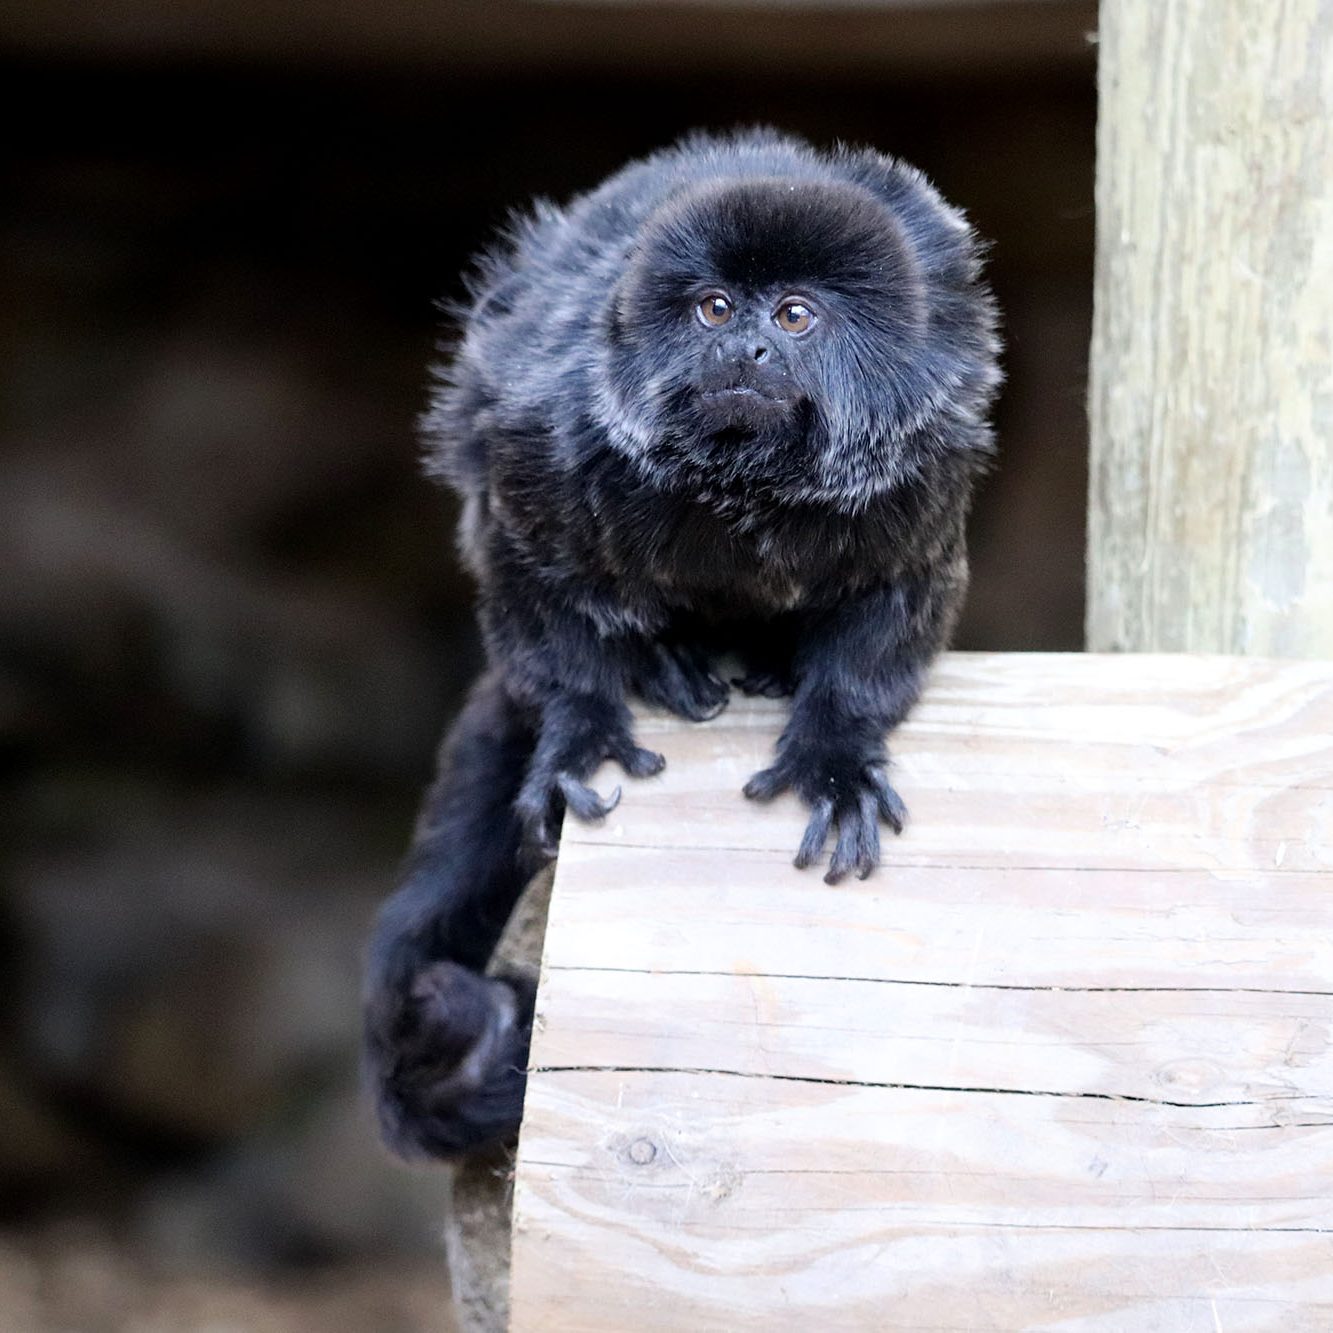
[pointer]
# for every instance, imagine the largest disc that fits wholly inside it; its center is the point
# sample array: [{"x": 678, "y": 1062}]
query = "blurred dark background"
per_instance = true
[{"x": 231, "y": 622}]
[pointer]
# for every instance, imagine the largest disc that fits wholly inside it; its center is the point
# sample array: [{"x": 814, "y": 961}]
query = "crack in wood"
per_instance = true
[
  {"x": 959, "y": 985},
  {"x": 893, "y": 1087}
]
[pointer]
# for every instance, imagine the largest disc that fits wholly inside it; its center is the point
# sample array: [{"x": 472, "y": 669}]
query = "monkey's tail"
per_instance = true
[{"x": 446, "y": 1046}]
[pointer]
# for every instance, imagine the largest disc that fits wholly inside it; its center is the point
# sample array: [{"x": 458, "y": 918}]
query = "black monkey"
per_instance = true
[{"x": 734, "y": 399}]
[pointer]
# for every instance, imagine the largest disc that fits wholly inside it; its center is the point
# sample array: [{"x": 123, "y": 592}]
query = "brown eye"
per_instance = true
[
  {"x": 794, "y": 317},
  {"x": 715, "y": 309}
]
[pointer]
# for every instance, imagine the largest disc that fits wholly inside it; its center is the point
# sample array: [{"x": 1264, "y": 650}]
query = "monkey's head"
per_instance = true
[{"x": 797, "y": 340}]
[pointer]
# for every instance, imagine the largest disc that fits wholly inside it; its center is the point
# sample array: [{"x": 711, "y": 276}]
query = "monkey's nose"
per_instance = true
[{"x": 761, "y": 353}]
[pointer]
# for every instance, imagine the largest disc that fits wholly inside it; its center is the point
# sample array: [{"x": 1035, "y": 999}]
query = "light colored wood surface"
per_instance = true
[
  {"x": 1210, "y": 522},
  {"x": 1064, "y": 1062}
]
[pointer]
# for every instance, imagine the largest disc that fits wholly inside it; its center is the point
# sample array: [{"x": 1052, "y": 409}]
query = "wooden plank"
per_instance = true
[
  {"x": 512, "y": 37},
  {"x": 1210, "y": 520},
  {"x": 1065, "y": 1061}
]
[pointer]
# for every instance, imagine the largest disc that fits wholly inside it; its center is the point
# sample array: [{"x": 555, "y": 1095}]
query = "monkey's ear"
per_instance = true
[
  {"x": 616, "y": 318},
  {"x": 921, "y": 211},
  {"x": 620, "y": 292},
  {"x": 619, "y": 317}
]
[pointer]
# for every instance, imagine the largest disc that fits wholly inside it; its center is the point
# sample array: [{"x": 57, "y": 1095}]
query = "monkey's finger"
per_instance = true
[
  {"x": 638, "y": 762},
  {"x": 711, "y": 697},
  {"x": 867, "y": 852},
  {"x": 858, "y": 840},
  {"x": 766, "y": 784},
  {"x": 714, "y": 692},
  {"x": 891, "y": 808},
  {"x": 816, "y": 834},
  {"x": 539, "y": 809},
  {"x": 846, "y": 849},
  {"x": 544, "y": 836},
  {"x": 583, "y": 801}
]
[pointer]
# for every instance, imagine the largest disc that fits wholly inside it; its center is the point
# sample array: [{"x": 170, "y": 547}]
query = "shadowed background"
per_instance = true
[{"x": 231, "y": 622}]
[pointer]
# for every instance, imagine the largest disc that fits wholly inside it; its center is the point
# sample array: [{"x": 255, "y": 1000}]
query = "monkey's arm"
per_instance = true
[
  {"x": 858, "y": 668},
  {"x": 563, "y": 665}
]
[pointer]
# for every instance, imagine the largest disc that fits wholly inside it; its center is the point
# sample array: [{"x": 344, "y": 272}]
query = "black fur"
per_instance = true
[{"x": 644, "y": 491}]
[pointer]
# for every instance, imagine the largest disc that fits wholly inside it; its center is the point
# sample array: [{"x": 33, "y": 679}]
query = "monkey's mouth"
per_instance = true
[
  {"x": 743, "y": 406},
  {"x": 741, "y": 393}
]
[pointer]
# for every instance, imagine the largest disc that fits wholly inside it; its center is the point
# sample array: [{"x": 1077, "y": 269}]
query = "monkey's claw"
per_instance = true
[
  {"x": 638, "y": 762},
  {"x": 583, "y": 801},
  {"x": 541, "y": 804},
  {"x": 890, "y": 805},
  {"x": 767, "y": 783}
]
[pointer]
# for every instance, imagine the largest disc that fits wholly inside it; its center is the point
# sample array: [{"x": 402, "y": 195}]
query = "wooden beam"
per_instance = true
[
  {"x": 1067, "y": 1059},
  {"x": 493, "y": 37},
  {"x": 1211, "y": 394}
]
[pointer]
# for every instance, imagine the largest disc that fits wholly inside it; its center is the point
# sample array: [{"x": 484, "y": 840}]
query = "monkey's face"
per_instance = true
[
  {"x": 771, "y": 337},
  {"x": 745, "y": 357}
]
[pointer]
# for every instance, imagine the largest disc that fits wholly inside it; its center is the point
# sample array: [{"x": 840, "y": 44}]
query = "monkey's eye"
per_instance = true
[
  {"x": 714, "y": 309},
  {"x": 794, "y": 317}
]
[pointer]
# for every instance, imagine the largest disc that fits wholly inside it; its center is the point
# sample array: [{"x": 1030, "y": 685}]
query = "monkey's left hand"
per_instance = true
[{"x": 842, "y": 786}]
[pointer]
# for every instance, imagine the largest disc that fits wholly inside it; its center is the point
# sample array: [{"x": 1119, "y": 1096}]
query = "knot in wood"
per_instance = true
[
  {"x": 1191, "y": 1074},
  {"x": 642, "y": 1151}
]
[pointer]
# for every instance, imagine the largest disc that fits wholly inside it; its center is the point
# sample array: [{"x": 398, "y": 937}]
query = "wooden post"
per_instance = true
[{"x": 1211, "y": 397}]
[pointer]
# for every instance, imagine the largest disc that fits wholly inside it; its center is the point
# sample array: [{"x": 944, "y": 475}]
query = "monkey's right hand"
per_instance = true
[
  {"x": 576, "y": 734},
  {"x": 446, "y": 1053},
  {"x": 846, "y": 787}
]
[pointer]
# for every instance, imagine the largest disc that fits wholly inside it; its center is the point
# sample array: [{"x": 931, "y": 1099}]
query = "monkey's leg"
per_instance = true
[{"x": 445, "y": 1046}]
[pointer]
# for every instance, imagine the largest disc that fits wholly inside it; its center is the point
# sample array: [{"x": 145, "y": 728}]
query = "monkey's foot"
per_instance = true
[
  {"x": 678, "y": 678},
  {"x": 769, "y": 684},
  {"x": 447, "y": 1059},
  {"x": 847, "y": 791},
  {"x": 576, "y": 736}
]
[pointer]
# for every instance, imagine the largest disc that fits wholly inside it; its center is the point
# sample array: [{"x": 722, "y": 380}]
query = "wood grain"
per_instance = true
[
  {"x": 1064, "y": 1062},
  {"x": 1210, "y": 523}
]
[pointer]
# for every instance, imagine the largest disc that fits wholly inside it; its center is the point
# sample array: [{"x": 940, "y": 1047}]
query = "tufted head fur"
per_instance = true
[
  {"x": 900, "y": 334},
  {"x": 900, "y": 364}
]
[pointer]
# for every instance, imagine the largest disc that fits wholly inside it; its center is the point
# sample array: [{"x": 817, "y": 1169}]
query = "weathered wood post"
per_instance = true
[{"x": 1211, "y": 510}]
